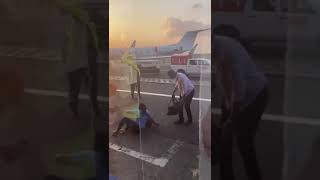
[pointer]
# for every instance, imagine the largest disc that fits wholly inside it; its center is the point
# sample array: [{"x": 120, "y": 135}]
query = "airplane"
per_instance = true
[
  {"x": 185, "y": 44},
  {"x": 152, "y": 63}
]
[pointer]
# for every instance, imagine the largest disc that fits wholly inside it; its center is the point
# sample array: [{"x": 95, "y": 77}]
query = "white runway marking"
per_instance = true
[
  {"x": 161, "y": 162},
  {"x": 206, "y": 82},
  {"x": 269, "y": 117},
  {"x": 162, "y": 95},
  {"x": 285, "y": 119},
  {"x": 60, "y": 94}
]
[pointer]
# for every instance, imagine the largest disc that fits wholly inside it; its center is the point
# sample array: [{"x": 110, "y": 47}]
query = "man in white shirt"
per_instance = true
[
  {"x": 245, "y": 98},
  {"x": 186, "y": 88}
]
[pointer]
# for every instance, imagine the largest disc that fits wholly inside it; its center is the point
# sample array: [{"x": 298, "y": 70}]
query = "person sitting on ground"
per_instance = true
[{"x": 144, "y": 120}]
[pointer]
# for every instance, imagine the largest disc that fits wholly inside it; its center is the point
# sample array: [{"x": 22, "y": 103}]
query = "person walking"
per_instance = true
[
  {"x": 186, "y": 88},
  {"x": 245, "y": 96}
]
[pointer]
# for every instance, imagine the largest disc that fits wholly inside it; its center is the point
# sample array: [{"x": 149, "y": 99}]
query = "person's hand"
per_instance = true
[{"x": 173, "y": 96}]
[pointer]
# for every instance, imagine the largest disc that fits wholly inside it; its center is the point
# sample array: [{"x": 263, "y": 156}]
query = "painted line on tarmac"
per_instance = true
[
  {"x": 269, "y": 117},
  {"x": 161, "y": 162},
  {"x": 284, "y": 119},
  {"x": 60, "y": 94},
  {"x": 163, "y": 95}
]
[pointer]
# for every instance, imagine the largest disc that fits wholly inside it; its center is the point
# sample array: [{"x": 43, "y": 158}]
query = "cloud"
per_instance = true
[
  {"x": 174, "y": 27},
  {"x": 197, "y": 5}
]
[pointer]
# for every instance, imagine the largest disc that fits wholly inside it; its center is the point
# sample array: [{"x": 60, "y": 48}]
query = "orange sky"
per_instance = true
[{"x": 145, "y": 20}]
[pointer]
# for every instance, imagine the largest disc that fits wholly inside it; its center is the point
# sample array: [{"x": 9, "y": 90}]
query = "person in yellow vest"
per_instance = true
[
  {"x": 79, "y": 56},
  {"x": 81, "y": 50},
  {"x": 134, "y": 81}
]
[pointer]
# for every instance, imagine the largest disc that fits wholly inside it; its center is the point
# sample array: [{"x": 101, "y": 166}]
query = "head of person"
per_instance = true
[
  {"x": 142, "y": 107},
  {"x": 182, "y": 71}
]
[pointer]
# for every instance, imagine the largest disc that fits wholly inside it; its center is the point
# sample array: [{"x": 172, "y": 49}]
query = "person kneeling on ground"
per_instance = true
[{"x": 143, "y": 121}]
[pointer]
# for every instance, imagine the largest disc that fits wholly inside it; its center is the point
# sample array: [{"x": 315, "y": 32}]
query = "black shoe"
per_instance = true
[
  {"x": 188, "y": 123},
  {"x": 178, "y": 122}
]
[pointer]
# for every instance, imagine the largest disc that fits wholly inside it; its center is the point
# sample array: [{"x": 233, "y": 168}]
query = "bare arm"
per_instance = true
[{"x": 176, "y": 87}]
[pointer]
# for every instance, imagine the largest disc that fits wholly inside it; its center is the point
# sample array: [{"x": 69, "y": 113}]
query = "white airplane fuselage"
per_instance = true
[{"x": 185, "y": 44}]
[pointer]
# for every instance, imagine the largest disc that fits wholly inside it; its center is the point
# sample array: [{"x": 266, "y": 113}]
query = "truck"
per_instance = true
[
  {"x": 149, "y": 66},
  {"x": 193, "y": 67}
]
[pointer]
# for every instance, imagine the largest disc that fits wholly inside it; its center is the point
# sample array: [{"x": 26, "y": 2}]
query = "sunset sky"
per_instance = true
[{"x": 157, "y": 22}]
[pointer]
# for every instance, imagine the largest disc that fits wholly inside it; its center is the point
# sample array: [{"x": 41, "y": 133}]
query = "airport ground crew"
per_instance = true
[
  {"x": 134, "y": 81},
  {"x": 80, "y": 52}
]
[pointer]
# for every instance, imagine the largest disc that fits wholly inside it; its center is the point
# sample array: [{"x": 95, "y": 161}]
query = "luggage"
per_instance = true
[{"x": 174, "y": 108}]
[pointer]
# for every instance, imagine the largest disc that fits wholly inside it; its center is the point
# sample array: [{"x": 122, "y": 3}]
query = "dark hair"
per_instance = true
[
  {"x": 142, "y": 107},
  {"x": 182, "y": 71}
]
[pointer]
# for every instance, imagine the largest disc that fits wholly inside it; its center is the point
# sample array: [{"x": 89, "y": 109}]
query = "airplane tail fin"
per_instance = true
[
  {"x": 188, "y": 39},
  {"x": 191, "y": 52},
  {"x": 133, "y": 45}
]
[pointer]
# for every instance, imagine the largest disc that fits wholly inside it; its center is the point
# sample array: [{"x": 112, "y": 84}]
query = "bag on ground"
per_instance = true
[{"x": 173, "y": 108}]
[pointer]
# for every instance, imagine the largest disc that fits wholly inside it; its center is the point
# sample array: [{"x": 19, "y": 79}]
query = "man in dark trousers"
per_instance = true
[
  {"x": 186, "y": 88},
  {"x": 245, "y": 95}
]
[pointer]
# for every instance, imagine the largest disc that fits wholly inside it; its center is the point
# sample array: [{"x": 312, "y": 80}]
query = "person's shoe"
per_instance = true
[
  {"x": 178, "y": 122},
  {"x": 188, "y": 123}
]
